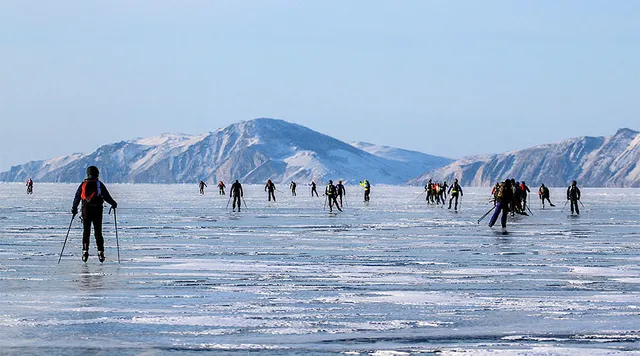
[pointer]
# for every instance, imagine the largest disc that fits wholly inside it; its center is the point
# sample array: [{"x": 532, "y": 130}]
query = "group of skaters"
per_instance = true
[
  {"x": 333, "y": 193},
  {"x": 509, "y": 197},
  {"x": 437, "y": 193}
]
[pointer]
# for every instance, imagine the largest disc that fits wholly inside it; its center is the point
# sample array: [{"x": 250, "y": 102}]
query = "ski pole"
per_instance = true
[
  {"x": 419, "y": 195},
  {"x": 564, "y": 206},
  {"x": 65, "y": 239},
  {"x": 485, "y": 214},
  {"x": 228, "y": 201},
  {"x": 324, "y": 206},
  {"x": 527, "y": 206},
  {"x": 115, "y": 221},
  {"x": 245, "y": 203}
]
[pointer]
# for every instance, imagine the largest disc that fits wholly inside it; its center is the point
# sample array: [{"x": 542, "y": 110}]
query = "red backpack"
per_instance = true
[{"x": 90, "y": 190}]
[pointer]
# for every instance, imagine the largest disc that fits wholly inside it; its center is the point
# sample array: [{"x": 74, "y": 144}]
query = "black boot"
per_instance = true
[
  {"x": 85, "y": 255},
  {"x": 101, "y": 256}
]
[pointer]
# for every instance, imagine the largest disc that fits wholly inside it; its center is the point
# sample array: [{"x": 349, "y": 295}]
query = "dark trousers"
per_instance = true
[
  {"x": 236, "y": 199},
  {"x": 574, "y": 204},
  {"x": 92, "y": 215},
  {"x": 500, "y": 207},
  {"x": 313, "y": 190},
  {"x": 221, "y": 191},
  {"x": 272, "y": 194},
  {"x": 454, "y": 196},
  {"x": 366, "y": 194},
  {"x": 332, "y": 202},
  {"x": 340, "y": 196}
]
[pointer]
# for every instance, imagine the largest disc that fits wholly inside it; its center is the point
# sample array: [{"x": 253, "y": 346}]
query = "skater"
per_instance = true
[
  {"x": 573, "y": 195},
  {"x": 313, "y": 188},
  {"x": 237, "y": 194},
  {"x": 436, "y": 192},
  {"x": 202, "y": 185},
  {"x": 440, "y": 191},
  {"x": 29, "y": 186},
  {"x": 455, "y": 189},
  {"x": 221, "y": 187},
  {"x": 524, "y": 191},
  {"x": 331, "y": 192},
  {"x": 341, "y": 190},
  {"x": 271, "y": 188},
  {"x": 429, "y": 189},
  {"x": 503, "y": 199},
  {"x": 543, "y": 193},
  {"x": 367, "y": 189},
  {"x": 494, "y": 193},
  {"x": 292, "y": 186},
  {"x": 444, "y": 191},
  {"x": 93, "y": 193}
]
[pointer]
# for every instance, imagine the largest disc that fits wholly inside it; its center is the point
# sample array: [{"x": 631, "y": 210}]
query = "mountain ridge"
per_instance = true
[
  {"x": 600, "y": 161},
  {"x": 251, "y": 151}
]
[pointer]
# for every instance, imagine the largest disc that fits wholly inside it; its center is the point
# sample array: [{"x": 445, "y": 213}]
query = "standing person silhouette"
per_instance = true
[
  {"x": 271, "y": 188},
  {"x": 92, "y": 193},
  {"x": 573, "y": 195},
  {"x": 237, "y": 194},
  {"x": 341, "y": 191},
  {"x": 367, "y": 189}
]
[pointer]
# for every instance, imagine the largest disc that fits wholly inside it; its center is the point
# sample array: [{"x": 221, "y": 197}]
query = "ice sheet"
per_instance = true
[{"x": 391, "y": 277}]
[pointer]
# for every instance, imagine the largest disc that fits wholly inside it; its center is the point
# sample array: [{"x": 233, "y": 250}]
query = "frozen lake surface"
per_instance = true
[{"x": 288, "y": 278}]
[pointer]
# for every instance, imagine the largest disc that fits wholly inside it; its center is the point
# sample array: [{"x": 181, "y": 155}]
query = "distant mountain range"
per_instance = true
[
  {"x": 251, "y": 151},
  {"x": 610, "y": 161},
  {"x": 257, "y": 150}
]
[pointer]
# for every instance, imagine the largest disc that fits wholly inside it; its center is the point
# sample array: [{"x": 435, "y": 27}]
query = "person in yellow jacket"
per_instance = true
[{"x": 367, "y": 189}]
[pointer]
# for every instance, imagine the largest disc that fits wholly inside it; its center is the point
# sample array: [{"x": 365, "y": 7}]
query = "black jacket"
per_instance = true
[
  {"x": 573, "y": 193},
  {"x": 236, "y": 190}
]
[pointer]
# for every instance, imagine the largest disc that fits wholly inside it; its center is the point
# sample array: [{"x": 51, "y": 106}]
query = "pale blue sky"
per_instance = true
[{"x": 442, "y": 77}]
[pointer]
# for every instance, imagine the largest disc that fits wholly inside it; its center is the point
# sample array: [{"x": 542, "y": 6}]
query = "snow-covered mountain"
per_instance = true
[
  {"x": 416, "y": 162},
  {"x": 251, "y": 151},
  {"x": 610, "y": 161}
]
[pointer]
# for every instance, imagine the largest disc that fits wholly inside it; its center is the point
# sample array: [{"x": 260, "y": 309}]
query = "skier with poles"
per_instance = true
[
  {"x": 221, "y": 187},
  {"x": 429, "y": 189},
  {"x": 237, "y": 194},
  {"x": 341, "y": 190},
  {"x": 292, "y": 186},
  {"x": 271, "y": 188},
  {"x": 503, "y": 198},
  {"x": 202, "y": 185},
  {"x": 524, "y": 191},
  {"x": 93, "y": 193},
  {"x": 313, "y": 188},
  {"x": 331, "y": 192},
  {"x": 573, "y": 195}
]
